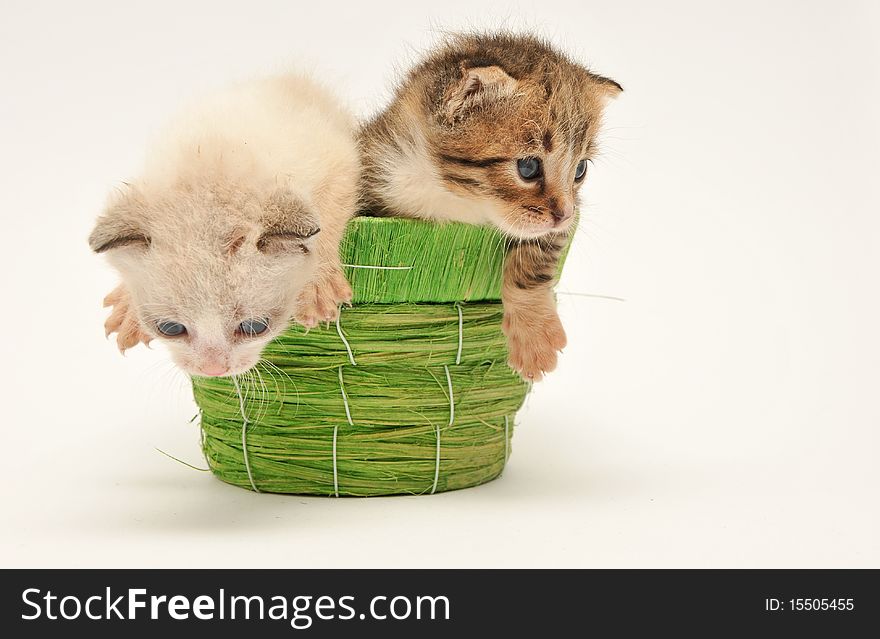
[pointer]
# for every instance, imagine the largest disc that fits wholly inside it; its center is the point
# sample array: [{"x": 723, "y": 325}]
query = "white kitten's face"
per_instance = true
[
  {"x": 212, "y": 346},
  {"x": 217, "y": 311},
  {"x": 220, "y": 330},
  {"x": 211, "y": 283}
]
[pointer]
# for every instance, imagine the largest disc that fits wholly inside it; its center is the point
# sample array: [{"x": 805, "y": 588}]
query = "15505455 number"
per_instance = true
[{"x": 822, "y": 604}]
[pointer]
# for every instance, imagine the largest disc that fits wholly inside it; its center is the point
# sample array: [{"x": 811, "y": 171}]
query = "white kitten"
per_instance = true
[{"x": 234, "y": 227}]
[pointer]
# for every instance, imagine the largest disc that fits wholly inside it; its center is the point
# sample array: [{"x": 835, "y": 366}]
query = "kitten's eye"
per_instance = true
[
  {"x": 580, "y": 171},
  {"x": 253, "y": 327},
  {"x": 171, "y": 329},
  {"x": 529, "y": 168}
]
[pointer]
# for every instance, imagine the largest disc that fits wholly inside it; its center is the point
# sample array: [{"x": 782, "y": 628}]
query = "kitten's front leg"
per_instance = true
[
  {"x": 320, "y": 299},
  {"x": 531, "y": 323},
  {"x": 123, "y": 321}
]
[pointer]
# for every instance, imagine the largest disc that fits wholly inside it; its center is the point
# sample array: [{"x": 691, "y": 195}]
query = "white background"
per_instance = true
[{"x": 725, "y": 414}]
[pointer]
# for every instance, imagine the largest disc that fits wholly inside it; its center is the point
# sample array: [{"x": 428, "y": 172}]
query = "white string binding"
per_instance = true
[
  {"x": 344, "y": 398},
  {"x": 451, "y": 421},
  {"x": 379, "y": 268},
  {"x": 451, "y": 398},
  {"x": 336, "y": 432},
  {"x": 244, "y": 425},
  {"x": 344, "y": 341},
  {"x": 342, "y": 390},
  {"x": 335, "y": 473},
  {"x": 460, "y": 334},
  {"x": 436, "y": 462}
]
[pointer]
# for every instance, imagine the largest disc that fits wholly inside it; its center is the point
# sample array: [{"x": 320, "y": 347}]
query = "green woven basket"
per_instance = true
[{"x": 409, "y": 393}]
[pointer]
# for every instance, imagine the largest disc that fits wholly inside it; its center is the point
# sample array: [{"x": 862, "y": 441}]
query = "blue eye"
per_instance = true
[
  {"x": 529, "y": 168},
  {"x": 171, "y": 329},
  {"x": 580, "y": 171},
  {"x": 253, "y": 327}
]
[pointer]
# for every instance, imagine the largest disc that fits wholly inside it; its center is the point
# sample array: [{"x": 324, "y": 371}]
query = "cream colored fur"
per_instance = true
[
  {"x": 225, "y": 193},
  {"x": 411, "y": 183}
]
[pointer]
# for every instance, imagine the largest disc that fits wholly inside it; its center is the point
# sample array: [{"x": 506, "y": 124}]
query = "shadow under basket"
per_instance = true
[{"x": 409, "y": 393}]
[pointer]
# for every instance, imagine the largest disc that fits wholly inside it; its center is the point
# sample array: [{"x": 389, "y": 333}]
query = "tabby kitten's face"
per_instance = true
[{"x": 524, "y": 144}]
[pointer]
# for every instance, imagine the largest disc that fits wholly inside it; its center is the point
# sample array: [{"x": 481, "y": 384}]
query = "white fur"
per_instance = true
[
  {"x": 210, "y": 179},
  {"x": 411, "y": 184},
  {"x": 283, "y": 130}
]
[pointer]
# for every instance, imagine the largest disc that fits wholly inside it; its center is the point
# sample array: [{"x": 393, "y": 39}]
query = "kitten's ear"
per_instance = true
[
  {"x": 607, "y": 87},
  {"x": 478, "y": 86},
  {"x": 288, "y": 224},
  {"x": 121, "y": 225}
]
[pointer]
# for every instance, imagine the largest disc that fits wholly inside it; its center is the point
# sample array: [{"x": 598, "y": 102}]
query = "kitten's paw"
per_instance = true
[
  {"x": 319, "y": 301},
  {"x": 123, "y": 321},
  {"x": 533, "y": 341}
]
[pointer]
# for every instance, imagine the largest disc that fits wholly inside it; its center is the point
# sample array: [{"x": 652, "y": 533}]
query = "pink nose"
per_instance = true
[
  {"x": 562, "y": 213},
  {"x": 213, "y": 370}
]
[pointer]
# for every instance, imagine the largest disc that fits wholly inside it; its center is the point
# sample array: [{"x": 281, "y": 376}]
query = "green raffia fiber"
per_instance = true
[
  {"x": 447, "y": 263},
  {"x": 404, "y": 333},
  {"x": 398, "y": 398}
]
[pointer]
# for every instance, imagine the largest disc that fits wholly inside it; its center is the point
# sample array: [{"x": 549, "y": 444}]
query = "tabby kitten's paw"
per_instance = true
[
  {"x": 319, "y": 301},
  {"x": 533, "y": 341},
  {"x": 123, "y": 321}
]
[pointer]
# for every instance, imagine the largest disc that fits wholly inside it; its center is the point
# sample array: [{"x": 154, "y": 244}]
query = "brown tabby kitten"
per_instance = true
[{"x": 494, "y": 129}]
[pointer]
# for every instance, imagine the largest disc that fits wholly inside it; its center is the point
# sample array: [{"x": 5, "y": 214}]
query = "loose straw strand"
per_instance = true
[{"x": 244, "y": 425}]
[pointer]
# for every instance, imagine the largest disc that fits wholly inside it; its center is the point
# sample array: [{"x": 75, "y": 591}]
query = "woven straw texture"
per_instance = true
[{"x": 409, "y": 394}]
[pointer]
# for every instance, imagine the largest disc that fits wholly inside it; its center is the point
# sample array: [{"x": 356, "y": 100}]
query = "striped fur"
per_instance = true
[{"x": 447, "y": 147}]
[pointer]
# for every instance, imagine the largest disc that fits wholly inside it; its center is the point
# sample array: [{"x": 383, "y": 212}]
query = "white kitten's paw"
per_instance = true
[
  {"x": 319, "y": 301},
  {"x": 123, "y": 321},
  {"x": 533, "y": 341}
]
